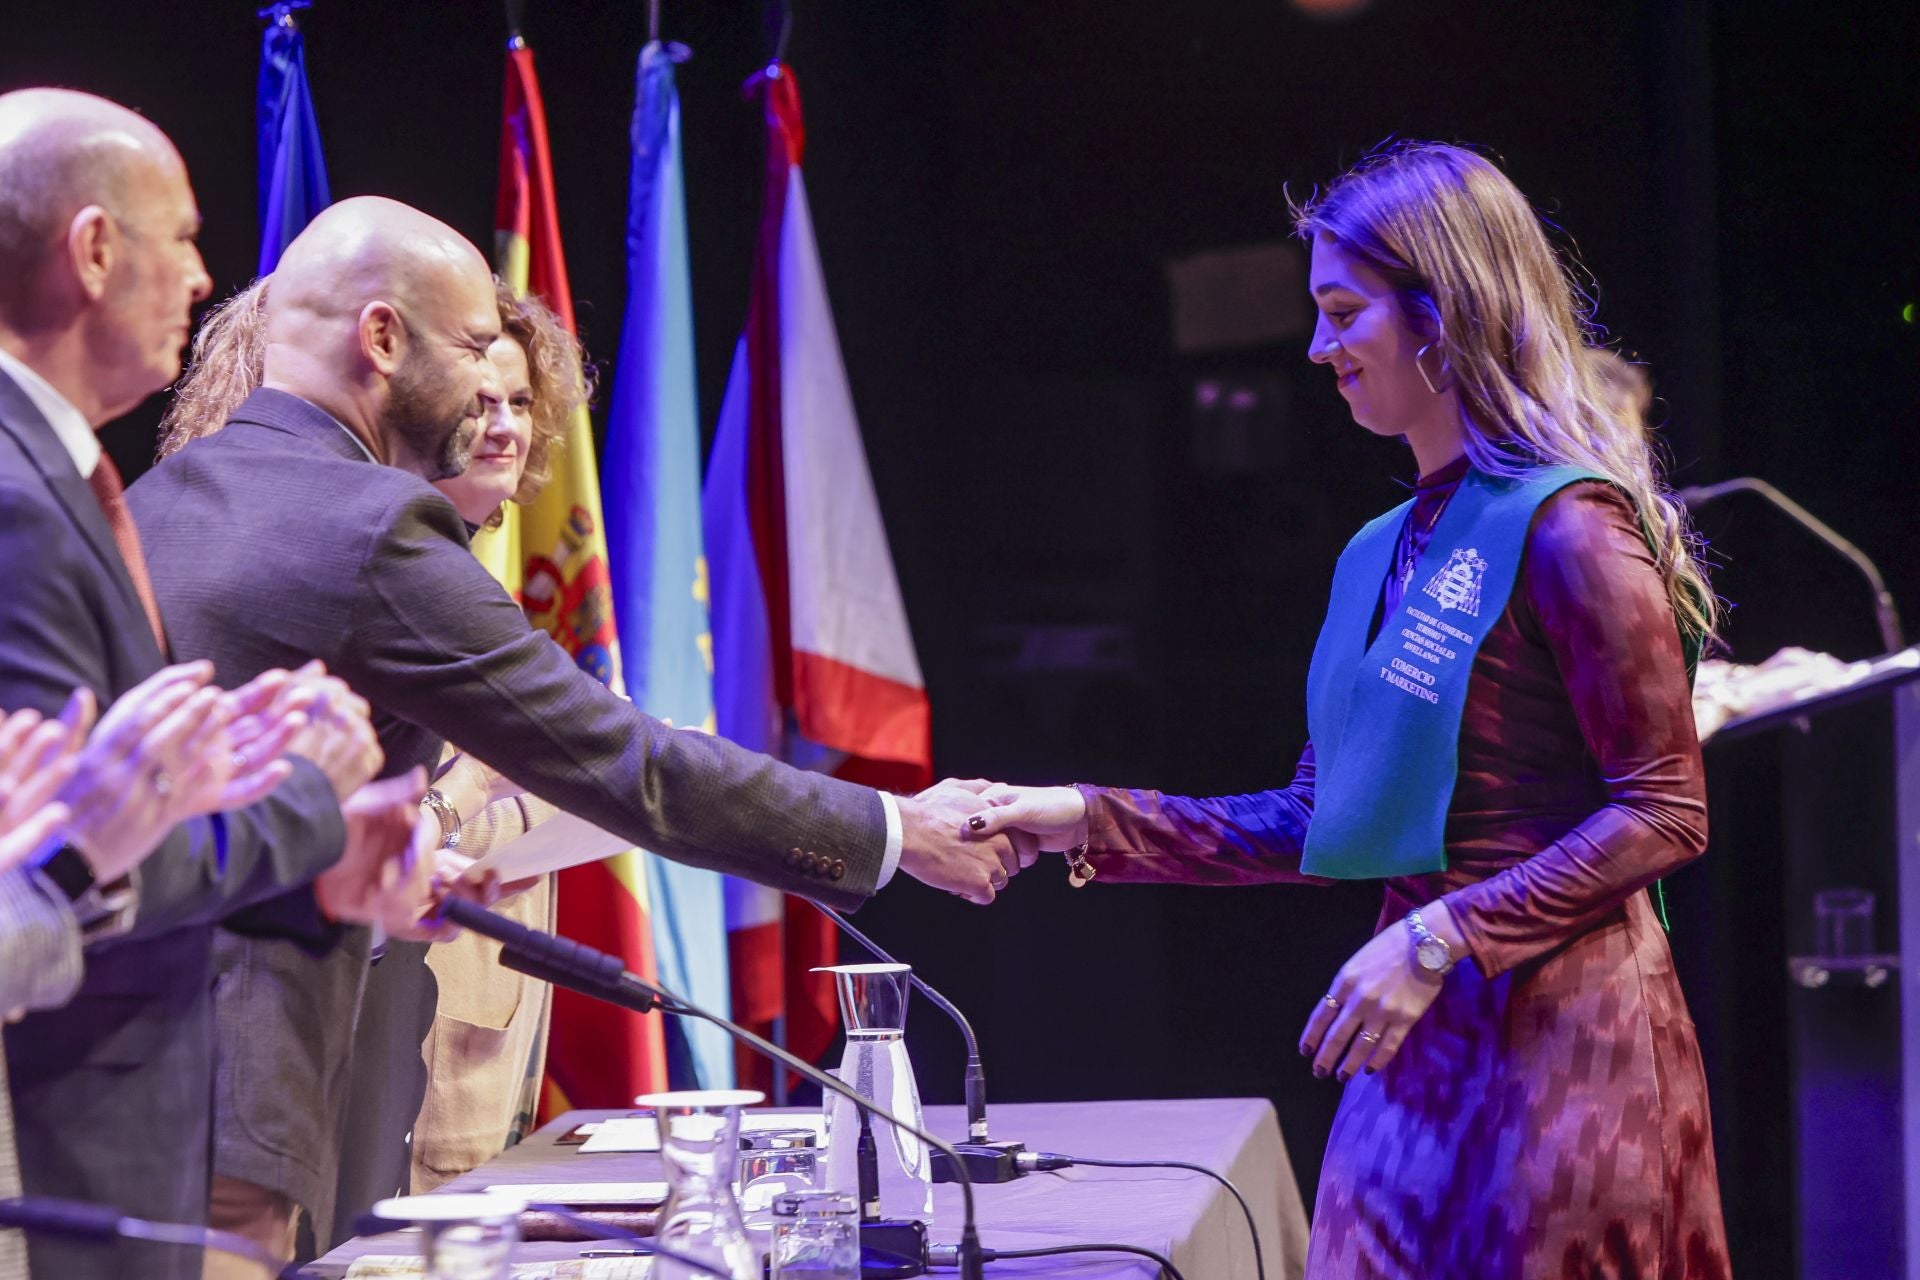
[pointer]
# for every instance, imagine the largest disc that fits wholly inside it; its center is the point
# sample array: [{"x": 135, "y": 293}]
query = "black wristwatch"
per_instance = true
[
  {"x": 67, "y": 867},
  {"x": 102, "y": 911}
]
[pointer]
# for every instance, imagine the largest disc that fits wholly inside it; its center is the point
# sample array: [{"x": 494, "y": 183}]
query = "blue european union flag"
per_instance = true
[
  {"x": 651, "y": 483},
  {"x": 293, "y": 174}
]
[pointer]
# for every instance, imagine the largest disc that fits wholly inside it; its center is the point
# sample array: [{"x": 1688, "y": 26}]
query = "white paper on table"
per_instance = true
[
  {"x": 623, "y": 1133},
  {"x": 560, "y": 842},
  {"x": 396, "y": 1267},
  {"x": 584, "y": 1193},
  {"x": 642, "y": 1133}
]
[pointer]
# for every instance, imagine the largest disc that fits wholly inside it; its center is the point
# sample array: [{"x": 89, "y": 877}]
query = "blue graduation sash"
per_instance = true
[{"x": 1385, "y": 716}]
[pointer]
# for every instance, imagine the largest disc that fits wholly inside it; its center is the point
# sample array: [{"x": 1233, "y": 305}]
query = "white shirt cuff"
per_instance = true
[{"x": 896, "y": 837}]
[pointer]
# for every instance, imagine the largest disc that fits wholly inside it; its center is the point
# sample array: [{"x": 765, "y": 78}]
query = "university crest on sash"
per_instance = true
[{"x": 1457, "y": 585}]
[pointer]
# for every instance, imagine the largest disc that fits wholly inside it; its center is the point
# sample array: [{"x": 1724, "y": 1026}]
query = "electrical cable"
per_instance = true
[
  {"x": 581, "y": 968},
  {"x": 1166, "y": 1265},
  {"x": 1042, "y": 1161}
]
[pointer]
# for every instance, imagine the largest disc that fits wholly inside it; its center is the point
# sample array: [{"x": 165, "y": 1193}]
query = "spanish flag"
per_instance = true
[{"x": 553, "y": 557}]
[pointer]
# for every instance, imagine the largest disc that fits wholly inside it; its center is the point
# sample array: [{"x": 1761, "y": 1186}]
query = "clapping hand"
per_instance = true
[
  {"x": 159, "y": 755},
  {"x": 37, "y": 758},
  {"x": 310, "y": 714},
  {"x": 386, "y": 874}
]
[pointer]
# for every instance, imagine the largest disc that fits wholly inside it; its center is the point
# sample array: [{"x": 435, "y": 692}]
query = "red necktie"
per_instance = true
[{"x": 112, "y": 494}]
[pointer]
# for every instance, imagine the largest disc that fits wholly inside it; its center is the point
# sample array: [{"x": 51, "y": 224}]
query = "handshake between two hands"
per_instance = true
[
  {"x": 177, "y": 747},
  {"x": 970, "y": 836}
]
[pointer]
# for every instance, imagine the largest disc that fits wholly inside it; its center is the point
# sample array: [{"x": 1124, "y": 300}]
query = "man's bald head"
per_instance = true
[
  {"x": 61, "y": 151},
  {"x": 99, "y": 269},
  {"x": 370, "y": 249},
  {"x": 383, "y": 315}
]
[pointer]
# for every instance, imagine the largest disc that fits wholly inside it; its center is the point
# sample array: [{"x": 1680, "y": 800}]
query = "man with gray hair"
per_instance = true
[{"x": 111, "y": 1093}]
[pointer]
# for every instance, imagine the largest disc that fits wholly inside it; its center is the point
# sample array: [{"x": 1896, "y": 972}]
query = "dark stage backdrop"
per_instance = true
[{"x": 1109, "y": 580}]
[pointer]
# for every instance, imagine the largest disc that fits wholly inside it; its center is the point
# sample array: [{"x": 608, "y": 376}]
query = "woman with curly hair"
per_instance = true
[{"x": 1502, "y": 736}]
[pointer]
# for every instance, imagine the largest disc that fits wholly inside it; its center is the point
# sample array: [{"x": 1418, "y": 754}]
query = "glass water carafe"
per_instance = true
[
  {"x": 700, "y": 1145},
  {"x": 873, "y": 1005}
]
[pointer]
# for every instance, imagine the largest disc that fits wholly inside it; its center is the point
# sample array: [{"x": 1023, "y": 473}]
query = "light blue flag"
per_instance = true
[
  {"x": 293, "y": 173},
  {"x": 651, "y": 482}
]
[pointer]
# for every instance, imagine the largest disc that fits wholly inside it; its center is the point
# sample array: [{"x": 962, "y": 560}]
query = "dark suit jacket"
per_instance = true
[
  {"x": 277, "y": 540},
  {"x": 111, "y": 1094}
]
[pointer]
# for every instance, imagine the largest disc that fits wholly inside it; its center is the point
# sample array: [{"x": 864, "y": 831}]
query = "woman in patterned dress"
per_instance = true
[{"x": 1524, "y": 1095}]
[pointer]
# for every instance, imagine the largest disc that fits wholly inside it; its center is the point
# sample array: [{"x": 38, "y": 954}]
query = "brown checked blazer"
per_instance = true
[{"x": 277, "y": 540}]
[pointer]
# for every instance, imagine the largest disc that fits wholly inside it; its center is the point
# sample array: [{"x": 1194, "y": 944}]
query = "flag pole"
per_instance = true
[{"x": 281, "y": 11}]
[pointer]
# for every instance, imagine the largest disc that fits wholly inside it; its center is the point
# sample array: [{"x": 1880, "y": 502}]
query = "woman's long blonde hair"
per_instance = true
[
  {"x": 228, "y": 361},
  {"x": 1472, "y": 265}
]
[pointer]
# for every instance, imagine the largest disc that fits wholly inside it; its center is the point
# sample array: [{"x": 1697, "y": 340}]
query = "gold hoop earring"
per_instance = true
[{"x": 1420, "y": 355}]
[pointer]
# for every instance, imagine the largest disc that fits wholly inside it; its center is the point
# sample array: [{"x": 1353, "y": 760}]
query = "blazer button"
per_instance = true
[
  {"x": 839, "y": 868},
  {"x": 793, "y": 858}
]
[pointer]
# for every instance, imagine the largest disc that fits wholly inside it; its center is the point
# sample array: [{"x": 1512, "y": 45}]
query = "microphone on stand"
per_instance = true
[
  {"x": 1885, "y": 613},
  {"x": 568, "y": 964},
  {"x": 985, "y": 1161},
  {"x": 102, "y": 1224}
]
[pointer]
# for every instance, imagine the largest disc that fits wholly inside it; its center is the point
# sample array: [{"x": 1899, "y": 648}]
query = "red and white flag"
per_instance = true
[{"x": 813, "y": 661}]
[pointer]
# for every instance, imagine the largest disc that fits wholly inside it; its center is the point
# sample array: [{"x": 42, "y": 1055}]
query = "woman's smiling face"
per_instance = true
[
  {"x": 1363, "y": 333},
  {"x": 500, "y": 447}
]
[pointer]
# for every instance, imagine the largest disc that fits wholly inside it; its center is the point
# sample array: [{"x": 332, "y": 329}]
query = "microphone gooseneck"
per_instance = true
[
  {"x": 867, "y": 1161},
  {"x": 976, "y": 1074},
  {"x": 99, "y": 1223},
  {"x": 579, "y": 968},
  {"x": 1885, "y": 613},
  {"x": 551, "y": 958}
]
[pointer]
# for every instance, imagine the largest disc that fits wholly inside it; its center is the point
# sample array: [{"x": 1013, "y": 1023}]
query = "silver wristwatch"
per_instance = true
[
  {"x": 436, "y": 804},
  {"x": 1430, "y": 952}
]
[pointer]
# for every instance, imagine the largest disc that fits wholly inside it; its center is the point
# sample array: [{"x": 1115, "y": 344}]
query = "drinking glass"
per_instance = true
[
  {"x": 700, "y": 1144},
  {"x": 816, "y": 1236},
  {"x": 462, "y": 1237}
]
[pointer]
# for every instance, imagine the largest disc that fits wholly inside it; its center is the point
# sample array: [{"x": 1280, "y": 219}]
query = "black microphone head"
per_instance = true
[
  {"x": 372, "y": 1224},
  {"x": 471, "y": 915},
  {"x": 51, "y": 1216}
]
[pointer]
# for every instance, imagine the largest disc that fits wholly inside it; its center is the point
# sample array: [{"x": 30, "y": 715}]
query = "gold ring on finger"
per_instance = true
[
  {"x": 1371, "y": 1037},
  {"x": 1330, "y": 1002},
  {"x": 162, "y": 785}
]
